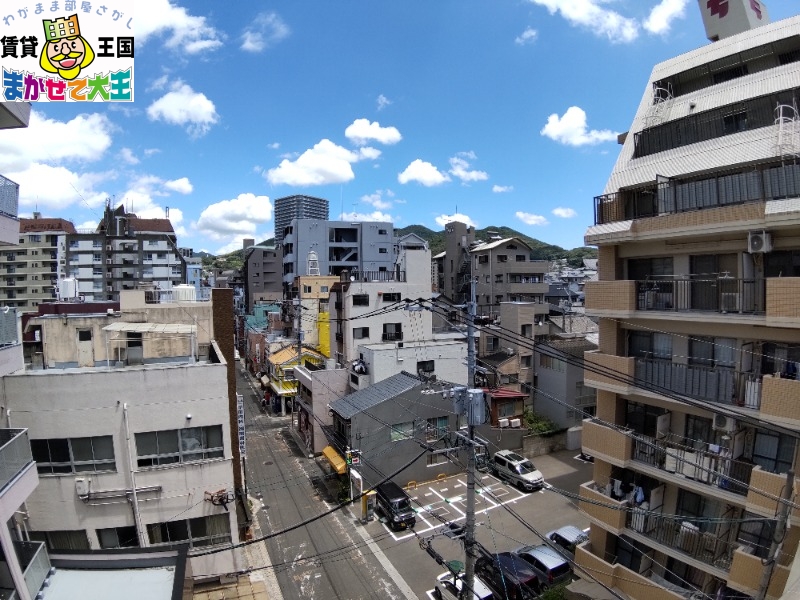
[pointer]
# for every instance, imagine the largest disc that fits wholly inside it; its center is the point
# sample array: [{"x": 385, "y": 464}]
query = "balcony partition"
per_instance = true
[
  {"x": 722, "y": 295},
  {"x": 35, "y": 563},
  {"x": 15, "y": 453}
]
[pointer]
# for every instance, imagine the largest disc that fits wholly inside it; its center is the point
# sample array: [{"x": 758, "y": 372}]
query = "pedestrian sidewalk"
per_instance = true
[{"x": 243, "y": 589}]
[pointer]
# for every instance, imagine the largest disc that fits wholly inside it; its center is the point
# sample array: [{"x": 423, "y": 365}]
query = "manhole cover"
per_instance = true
[{"x": 269, "y": 462}]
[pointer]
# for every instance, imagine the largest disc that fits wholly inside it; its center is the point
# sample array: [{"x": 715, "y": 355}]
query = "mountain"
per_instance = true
[{"x": 541, "y": 250}]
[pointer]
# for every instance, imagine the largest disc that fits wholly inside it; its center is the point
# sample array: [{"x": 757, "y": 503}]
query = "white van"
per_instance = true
[{"x": 517, "y": 469}]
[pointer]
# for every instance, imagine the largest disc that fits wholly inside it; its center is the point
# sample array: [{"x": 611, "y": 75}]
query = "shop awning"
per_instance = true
[{"x": 336, "y": 460}]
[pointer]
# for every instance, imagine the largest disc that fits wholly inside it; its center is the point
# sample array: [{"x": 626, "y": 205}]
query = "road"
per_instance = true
[{"x": 336, "y": 557}]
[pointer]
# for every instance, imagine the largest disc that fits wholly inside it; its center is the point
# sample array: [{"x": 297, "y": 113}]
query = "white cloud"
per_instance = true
[
  {"x": 377, "y": 200},
  {"x": 151, "y": 151},
  {"x": 86, "y": 225},
  {"x": 571, "y": 129},
  {"x": 530, "y": 219},
  {"x": 459, "y": 167},
  {"x": 236, "y": 218},
  {"x": 383, "y": 102},
  {"x": 83, "y": 138},
  {"x": 591, "y": 15},
  {"x": 361, "y": 132},
  {"x": 443, "y": 220},
  {"x": 526, "y": 37},
  {"x": 127, "y": 155},
  {"x": 323, "y": 164},
  {"x": 184, "y": 107},
  {"x": 373, "y": 216},
  {"x": 663, "y": 14},
  {"x": 423, "y": 172},
  {"x": 184, "y": 32},
  {"x": 266, "y": 30},
  {"x": 564, "y": 213},
  {"x": 274, "y": 145},
  {"x": 57, "y": 187},
  {"x": 182, "y": 185},
  {"x": 502, "y": 189}
]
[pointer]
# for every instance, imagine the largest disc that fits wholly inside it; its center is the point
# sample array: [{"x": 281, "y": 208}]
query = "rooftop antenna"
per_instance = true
[{"x": 166, "y": 210}]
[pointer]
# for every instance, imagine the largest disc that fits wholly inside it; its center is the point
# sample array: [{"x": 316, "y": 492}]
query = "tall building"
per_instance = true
[
  {"x": 330, "y": 247},
  {"x": 31, "y": 266},
  {"x": 697, "y": 373},
  {"x": 454, "y": 272},
  {"x": 262, "y": 274},
  {"x": 297, "y": 207},
  {"x": 124, "y": 252}
]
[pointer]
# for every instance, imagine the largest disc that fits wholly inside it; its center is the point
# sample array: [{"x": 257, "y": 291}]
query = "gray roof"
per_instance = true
[{"x": 363, "y": 400}]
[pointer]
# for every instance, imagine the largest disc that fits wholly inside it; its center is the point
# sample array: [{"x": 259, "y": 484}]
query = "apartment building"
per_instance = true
[
  {"x": 454, "y": 265},
  {"x": 262, "y": 274},
  {"x": 696, "y": 373},
  {"x": 313, "y": 246},
  {"x": 130, "y": 425},
  {"x": 124, "y": 252},
  {"x": 297, "y": 206}
]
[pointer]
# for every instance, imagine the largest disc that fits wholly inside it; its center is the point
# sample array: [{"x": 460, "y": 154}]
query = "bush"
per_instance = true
[
  {"x": 554, "y": 593},
  {"x": 538, "y": 424}
]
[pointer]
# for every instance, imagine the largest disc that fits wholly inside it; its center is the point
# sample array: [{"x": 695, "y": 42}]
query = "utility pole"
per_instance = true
[
  {"x": 469, "y": 533},
  {"x": 298, "y": 326},
  {"x": 777, "y": 536}
]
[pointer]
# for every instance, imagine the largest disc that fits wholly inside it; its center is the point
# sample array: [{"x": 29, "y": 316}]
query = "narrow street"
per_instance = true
[{"x": 327, "y": 559}]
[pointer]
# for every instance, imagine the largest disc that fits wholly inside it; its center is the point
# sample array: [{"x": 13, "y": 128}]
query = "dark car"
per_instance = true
[
  {"x": 394, "y": 503},
  {"x": 508, "y": 575}
]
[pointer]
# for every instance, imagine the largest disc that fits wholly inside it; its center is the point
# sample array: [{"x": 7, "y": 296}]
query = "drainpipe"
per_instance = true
[{"x": 143, "y": 541}]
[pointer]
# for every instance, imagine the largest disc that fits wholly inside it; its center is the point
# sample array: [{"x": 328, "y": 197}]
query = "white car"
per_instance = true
[
  {"x": 516, "y": 469},
  {"x": 448, "y": 587}
]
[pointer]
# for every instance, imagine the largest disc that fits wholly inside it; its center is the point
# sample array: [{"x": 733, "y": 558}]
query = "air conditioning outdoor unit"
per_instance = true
[
  {"x": 109, "y": 288},
  {"x": 515, "y": 422},
  {"x": 759, "y": 242},
  {"x": 108, "y": 247},
  {"x": 503, "y": 422},
  {"x": 724, "y": 423},
  {"x": 730, "y": 302}
]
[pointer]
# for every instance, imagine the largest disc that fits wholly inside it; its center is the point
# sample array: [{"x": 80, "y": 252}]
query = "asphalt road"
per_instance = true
[{"x": 337, "y": 557}]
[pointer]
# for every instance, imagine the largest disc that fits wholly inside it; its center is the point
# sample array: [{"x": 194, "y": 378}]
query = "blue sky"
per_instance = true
[{"x": 495, "y": 112}]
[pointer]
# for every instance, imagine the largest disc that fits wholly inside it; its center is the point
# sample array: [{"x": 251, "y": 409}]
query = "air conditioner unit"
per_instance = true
[
  {"x": 515, "y": 422},
  {"x": 730, "y": 302},
  {"x": 109, "y": 247},
  {"x": 759, "y": 242},
  {"x": 503, "y": 422},
  {"x": 724, "y": 423},
  {"x": 82, "y": 486},
  {"x": 108, "y": 261},
  {"x": 109, "y": 288}
]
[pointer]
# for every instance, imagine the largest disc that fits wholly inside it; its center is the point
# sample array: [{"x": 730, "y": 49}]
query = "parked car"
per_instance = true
[
  {"x": 567, "y": 538},
  {"x": 394, "y": 503},
  {"x": 448, "y": 587},
  {"x": 550, "y": 567},
  {"x": 509, "y": 576},
  {"x": 517, "y": 469}
]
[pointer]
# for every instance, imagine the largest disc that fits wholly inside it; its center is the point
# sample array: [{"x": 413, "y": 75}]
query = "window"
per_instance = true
[
  {"x": 425, "y": 366},
  {"x": 484, "y": 259},
  {"x": 506, "y": 409},
  {"x": 179, "y": 445},
  {"x": 359, "y": 333},
  {"x": 773, "y": 451},
  {"x": 501, "y": 258},
  {"x": 498, "y": 278},
  {"x": 84, "y": 335},
  {"x": 97, "y": 257},
  {"x": 201, "y": 531},
  {"x": 436, "y": 427},
  {"x": 383, "y": 250},
  {"x": 402, "y": 431},
  {"x": 492, "y": 344},
  {"x": 437, "y": 459},
  {"x": 306, "y": 289},
  {"x": 642, "y": 418},
  {"x": 74, "y": 455},
  {"x": 361, "y": 300},
  {"x": 62, "y": 540},
  {"x": 527, "y": 361},
  {"x": 644, "y": 344},
  {"x": 498, "y": 298},
  {"x": 526, "y": 330},
  {"x": 323, "y": 289},
  {"x": 712, "y": 352},
  {"x": 118, "y": 537},
  {"x": 382, "y": 232},
  {"x": 553, "y": 363},
  {"x": 391, "y": 297},
  {"x": 735, "y": 122},
  {"x": 520, "y": 258}
]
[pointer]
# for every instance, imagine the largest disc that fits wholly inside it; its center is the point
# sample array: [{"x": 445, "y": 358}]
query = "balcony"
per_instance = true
[
  {"x": 746, "y": 571},
  {"x": 779, "y": 398},
  {"x": 602, "y": 508},
  {"x": 15, "y": 454},
  {"x": 35, "y": 564},
  {"x": 621, "y": 371},
  {"x": 621, "y": 578},
  {"x": 605, "y": 443},
  {"x": 618, "y": 296},
  {"x": 725, "y": 295},
  {"x": 367, "y": 276},
  {"x": 698, "y": 468},
  {"x": 765, "y": 488},
  {"x": 392, "y": 336},
  {"x": 783, "y": 310}
]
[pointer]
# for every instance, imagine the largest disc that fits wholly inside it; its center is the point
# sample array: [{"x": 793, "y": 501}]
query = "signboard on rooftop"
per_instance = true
[{"x": 724, "y": 18}]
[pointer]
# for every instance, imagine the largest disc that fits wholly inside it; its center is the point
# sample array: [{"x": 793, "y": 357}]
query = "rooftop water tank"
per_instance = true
[
  {"x": 67, "y": 288},
  {"x": 184, "y": 293}
]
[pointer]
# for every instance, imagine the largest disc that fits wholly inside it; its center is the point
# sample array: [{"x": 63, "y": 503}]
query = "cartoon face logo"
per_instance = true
[{"x": 65, "y": 52}]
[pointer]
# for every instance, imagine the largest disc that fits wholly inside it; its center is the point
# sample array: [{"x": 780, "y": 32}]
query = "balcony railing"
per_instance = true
[
  {"x": 715, "y": 469},
  {"x": 723, "y": 295},
  {"x": 392, "y": 336},
  {"x": 704, "y": 383},
  {"x": 684, "y": 536},
  {"x": 397, "y": 276},
  {"x": 9, "y": 197},
  {"x": 15, "y": 453},
  {"x": 35, "y": 563},
  {"x": 671, "y": 196}
]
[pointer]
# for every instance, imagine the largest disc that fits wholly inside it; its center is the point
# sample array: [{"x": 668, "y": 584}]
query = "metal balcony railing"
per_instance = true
[
  {"x": 9, "y": 197},
  {"x": 392, "y": 336},
  {"x": 722, "y": 295},
  {"x": 684, "y": 536},
  {"x": 704, "y": 383},
  {"x": 35, "y": 563},
  {"x": 715, "y": 469},
  {"x": 354, "y": 275}
]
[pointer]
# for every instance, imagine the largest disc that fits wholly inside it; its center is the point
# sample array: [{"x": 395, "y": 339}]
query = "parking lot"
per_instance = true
[{"x": 501, "y": 510}]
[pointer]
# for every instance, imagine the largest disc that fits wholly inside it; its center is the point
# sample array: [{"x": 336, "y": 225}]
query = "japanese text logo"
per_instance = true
[{"x": 67, "y": 51}]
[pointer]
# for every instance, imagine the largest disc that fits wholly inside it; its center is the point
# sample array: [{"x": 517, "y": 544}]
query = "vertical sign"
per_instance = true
[{"x": 240, "y": 421}]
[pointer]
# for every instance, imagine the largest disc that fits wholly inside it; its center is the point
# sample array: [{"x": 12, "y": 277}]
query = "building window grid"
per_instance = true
[
  {"x": 211, "y": 530},
  {"x": 74, "y": 455},
  {"x": 170, "y": 446},
  {"x": 436, "y": 428}
]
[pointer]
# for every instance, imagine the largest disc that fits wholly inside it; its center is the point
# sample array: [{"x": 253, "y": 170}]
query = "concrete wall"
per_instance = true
[{"x": 385, "y": 360}]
